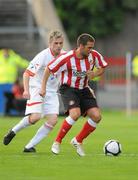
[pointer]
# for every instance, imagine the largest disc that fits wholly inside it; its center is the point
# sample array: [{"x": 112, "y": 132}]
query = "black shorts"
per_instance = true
[{"x": 82, "y": 98}]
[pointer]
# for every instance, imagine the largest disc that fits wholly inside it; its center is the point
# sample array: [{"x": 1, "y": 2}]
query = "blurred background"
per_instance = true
[{"x": 24, "y": 29}]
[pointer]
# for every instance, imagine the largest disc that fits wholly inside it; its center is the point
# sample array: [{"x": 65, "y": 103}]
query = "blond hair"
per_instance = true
[{"x": 55, "y": 34}]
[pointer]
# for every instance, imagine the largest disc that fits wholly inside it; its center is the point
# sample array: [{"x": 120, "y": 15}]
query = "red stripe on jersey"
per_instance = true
[
  {"x": 34, "y": 103},
  {"x": 62, "y": 77},
  {"x": 69, "y": 72},
  {"x": 87, "y": 64},
  {"x": 29, "y": 72},
  {"x": 52, "y": 52},
  {"x": 77, "y": 62}
]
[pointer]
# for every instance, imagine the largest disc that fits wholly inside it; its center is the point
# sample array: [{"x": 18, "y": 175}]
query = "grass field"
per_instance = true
[{"x": 44, "y": 165}]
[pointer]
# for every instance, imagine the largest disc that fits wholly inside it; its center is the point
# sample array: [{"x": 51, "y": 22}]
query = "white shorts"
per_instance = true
[
  {"x": 51, "y": 103},
  {"x": 35, "y": 103},
  {"x": 44, "y": 106}
]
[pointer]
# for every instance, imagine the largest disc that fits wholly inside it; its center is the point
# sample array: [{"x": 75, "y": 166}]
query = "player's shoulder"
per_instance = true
[
  {"x": 69, "y": 53},
  {"x": 65, "y": 54},
  {"x": 96, "y": 53},
  {"x": 41, "y": 55},
  {"x": 45, "y": 52}
]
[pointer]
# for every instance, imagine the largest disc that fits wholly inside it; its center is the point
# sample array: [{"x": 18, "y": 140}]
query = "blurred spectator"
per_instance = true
[
  {"x": 19, "y": 101},
  {"x": 15, "y": 100},
  {"x": 10, "y": 63},
  {"x": 135, "y": 68},
  {"x": 17, "y": 89}
]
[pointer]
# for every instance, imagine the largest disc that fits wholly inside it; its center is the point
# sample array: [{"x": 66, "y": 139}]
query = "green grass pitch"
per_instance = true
[{"x": 43, "y": 165}]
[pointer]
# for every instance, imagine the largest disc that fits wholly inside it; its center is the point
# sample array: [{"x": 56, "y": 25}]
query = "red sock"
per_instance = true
[
  {"x": 86, "y": 130},
  {"x": 63, "y": 131}
]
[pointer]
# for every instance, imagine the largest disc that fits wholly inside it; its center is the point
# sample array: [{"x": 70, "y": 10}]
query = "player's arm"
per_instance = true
[
  {"x": 99, "y": 65},
  {"x": 92, "y": 74},
  {"x": 44, "y": 82},
  {"x": 26, "y": 77}
]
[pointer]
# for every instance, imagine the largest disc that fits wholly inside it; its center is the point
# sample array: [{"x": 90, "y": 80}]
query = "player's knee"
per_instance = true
[
  {"x": 97, "y": 118},
  {"x": 53, "y": 121},
  {"x": 75, "y": 114},
  {"x": 34, "y": 118},
  {"x": 95, "y": 114}
]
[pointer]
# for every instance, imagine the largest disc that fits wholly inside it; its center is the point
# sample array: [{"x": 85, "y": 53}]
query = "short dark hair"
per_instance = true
[{"x": 84, "y": 38}]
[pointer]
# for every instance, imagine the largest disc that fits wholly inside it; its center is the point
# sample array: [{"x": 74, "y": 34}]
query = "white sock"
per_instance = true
[
  {"x": 42, "y": 132},
  {"x": 92, "y": 123},
  {"x": 70, "y": 120},
  {"x": 22, "y": 124}
]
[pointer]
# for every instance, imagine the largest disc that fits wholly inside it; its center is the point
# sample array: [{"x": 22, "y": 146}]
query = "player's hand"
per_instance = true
[
  {"x": 26, "y": 95},
  {"x": 42, "y": 93},
  {"x": 90, "y": 75}
]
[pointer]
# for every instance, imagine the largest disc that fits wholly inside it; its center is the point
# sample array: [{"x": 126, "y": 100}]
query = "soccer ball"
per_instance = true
[{"x": 112, "y": 148}]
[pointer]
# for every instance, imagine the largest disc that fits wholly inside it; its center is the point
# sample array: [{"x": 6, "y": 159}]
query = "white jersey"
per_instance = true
[{"x": 36, "y": 69}]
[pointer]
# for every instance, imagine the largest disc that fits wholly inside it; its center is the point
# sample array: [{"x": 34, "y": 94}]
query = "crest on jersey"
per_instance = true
[{"x": 34, "y": 66}]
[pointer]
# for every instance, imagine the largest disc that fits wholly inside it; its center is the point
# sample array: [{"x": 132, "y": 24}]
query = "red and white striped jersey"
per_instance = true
[{"x": 73, "y": 70}]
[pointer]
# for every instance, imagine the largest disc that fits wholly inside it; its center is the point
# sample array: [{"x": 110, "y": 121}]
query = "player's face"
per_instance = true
[
  {"x": 56, "y": 45},
  {"x": 86, "y": 49}
]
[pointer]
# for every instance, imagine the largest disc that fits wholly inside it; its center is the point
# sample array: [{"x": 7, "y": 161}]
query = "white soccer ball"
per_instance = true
[{"x": 112, "y": 148}]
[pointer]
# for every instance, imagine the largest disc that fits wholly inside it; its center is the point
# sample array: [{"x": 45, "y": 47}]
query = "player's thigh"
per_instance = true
[
  {"x": 51, "y": 104},
  {"x": 69, "y": 97},
  {"x": 88, "y": 100}
]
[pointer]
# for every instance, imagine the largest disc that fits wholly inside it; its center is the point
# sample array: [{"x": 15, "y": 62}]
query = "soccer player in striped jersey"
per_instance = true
[
  {"x": 36, "y": 105},
  {"x": 76, "y": 68}
]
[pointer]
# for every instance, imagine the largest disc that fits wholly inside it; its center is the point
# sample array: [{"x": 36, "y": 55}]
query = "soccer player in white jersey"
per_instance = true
[
  {"x": 76, "y": 68},
  {"x": 36, "y": 104}
]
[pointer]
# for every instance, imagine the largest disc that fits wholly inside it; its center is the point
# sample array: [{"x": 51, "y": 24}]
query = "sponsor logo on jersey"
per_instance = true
[{"x": 79, "y": 73}]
